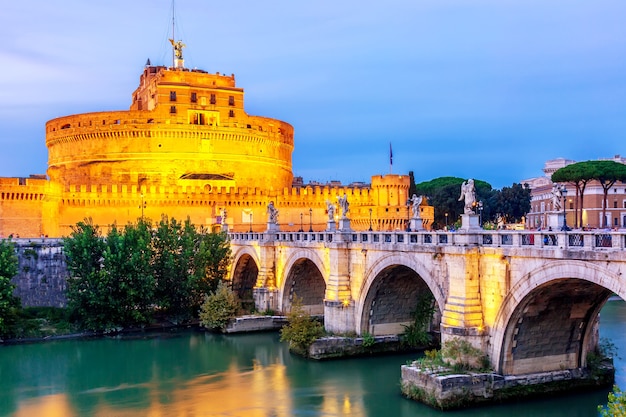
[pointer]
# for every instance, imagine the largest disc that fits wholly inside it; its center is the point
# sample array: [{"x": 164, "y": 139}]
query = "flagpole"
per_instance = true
[{"x": 390, "y": 159}]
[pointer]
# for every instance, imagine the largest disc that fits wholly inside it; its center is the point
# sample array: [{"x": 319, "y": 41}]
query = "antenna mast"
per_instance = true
[
  {"x": 173, "y": 35},
  {"x": 177, "y": 46}
]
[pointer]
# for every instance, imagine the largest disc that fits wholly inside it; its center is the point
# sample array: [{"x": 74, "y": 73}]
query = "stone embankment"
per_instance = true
[
  {"x": 41, "y": 280},
  {"x": 246, "y": 324},
  {"x": 443, "y": 390}
]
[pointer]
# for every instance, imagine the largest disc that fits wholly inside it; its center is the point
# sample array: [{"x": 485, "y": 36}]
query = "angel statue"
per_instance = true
[
  {"x": 345, "y": 206},
  {"x": 415, "y": 205},
  {"x": 468, "y": 193},
  {"x": 556, "y": 197},
  {"x": 178, "y": 48},
  {"x": 272, "y": 213},
  {"x": 330, "y": 208}
]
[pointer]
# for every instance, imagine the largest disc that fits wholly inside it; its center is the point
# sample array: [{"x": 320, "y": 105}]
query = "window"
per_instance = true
[
  {"x": 624, "y": 203},
  {"x": 571, "y": 205},
  {"x": 173, "y": 110},
  {"x": 231, "y": 113},
  {"x": 213, "y": 100},
  {"x": 615, "y": 204},
  {"x": 231, "y": 100},
  {"x": 172, "y": 95},
  {"x": 194, "y": 97}
]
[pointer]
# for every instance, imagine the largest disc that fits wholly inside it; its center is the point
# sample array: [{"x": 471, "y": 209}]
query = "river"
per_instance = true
[{"x": 195, "y": 374}]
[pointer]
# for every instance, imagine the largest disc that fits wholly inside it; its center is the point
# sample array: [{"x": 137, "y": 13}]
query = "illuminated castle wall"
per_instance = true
[{"x": 186, "y": 148}]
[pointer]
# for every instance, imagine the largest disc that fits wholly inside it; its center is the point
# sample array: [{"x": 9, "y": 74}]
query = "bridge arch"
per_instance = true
[
  {"x": 244, "y": 275},
  {"x": 548, "y": 319},
  {"x": 303, "y": 276},
  {"x": 391, "y": 279}
]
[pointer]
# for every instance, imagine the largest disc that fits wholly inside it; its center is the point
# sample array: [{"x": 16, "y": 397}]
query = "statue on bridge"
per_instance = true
[
  {"x": 415, "y": 205},
  {"x": 344, "y": 205},
  {"x": 468, "y": 193},
  {"x": 272, "y": 213},
  {"x": 330, "y": 208},
  {"x": 556, "y": 197}
]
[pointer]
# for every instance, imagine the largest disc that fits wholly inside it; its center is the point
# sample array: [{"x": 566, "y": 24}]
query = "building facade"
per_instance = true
[{"x": 543, "y": 203}]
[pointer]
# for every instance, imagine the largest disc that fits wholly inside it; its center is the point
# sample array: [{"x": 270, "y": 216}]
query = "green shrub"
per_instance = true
[
  {"x": 416, "y": 334},
  {"x": 301, "y": 330},
  {"x": 368, "y": 339},
  {"x": 219, "y": 307},
  {"x": 463, "y": 356}
]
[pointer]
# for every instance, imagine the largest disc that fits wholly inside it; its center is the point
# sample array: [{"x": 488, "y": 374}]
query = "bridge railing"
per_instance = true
[{"x": 574, "y": 239}]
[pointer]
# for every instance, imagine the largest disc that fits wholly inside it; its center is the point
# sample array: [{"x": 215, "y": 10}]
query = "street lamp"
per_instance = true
[
  {"x": 564, "y": 194},
  {"x": 143, "y": 205},
  {"x": 310, "y": 220},
  {"x": 370, "y": 219},
  {"x": 446, "y": 221},
  {"x": 301, "y": 229},
  {"x": 480, "y": 213},
  {"x": 251, "y": 222}
]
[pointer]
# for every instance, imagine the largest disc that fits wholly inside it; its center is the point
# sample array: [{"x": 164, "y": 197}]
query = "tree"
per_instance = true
[
  {"x": 607, "y": 173},
  {"x": 513, "y": 202},
  {"x": 84, "y": 252},
  {"x": 188, "y": 264},
  {"x": 118, "y": 281},
  {"x": 412, "y": 188},
  {"x": 443, "y": 194},
  {"x": 211, "y": 263},
  {"x": 128, "y": 275},
  {"x": 110, "y": 281},
  {"x": 9, "y": 304},
  {"x": 172, "y": 248}
]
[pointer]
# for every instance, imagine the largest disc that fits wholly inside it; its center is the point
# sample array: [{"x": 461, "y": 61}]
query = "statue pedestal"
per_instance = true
[
  {"x": 344, "y": 225},
  {"x": 331, "y": 226},
  {"x": 470, "y": 222},
  {"x": 555, "y": 221},
  {"x": 272, "y": 227},
  {"x": 416, "y": 224}
]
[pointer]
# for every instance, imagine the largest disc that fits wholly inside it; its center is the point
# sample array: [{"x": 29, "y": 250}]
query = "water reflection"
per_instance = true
[{"x": 197, "y": 374}]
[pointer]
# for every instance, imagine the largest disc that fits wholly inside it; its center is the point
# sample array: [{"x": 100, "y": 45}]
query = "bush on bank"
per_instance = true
[
  {"x": 301, "y": 329},
  {"x": 219, "y": 307}
]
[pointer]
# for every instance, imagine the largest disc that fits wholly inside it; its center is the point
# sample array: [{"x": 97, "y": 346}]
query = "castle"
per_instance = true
[{"x": 185, "y": 148}]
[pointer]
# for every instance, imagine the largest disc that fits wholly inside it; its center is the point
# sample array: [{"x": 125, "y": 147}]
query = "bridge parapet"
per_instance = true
[{"x": 572, "y": 240}]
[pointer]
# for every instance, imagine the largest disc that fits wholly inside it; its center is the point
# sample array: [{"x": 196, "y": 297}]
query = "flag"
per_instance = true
[{"x": 390, "y": 155}]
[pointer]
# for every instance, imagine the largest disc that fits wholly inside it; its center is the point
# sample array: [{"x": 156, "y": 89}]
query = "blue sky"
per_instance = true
[{"x": 488, "y": 89}]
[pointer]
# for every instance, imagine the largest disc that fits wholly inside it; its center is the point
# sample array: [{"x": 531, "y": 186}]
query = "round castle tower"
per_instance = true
[{"x": 184, "y": 127}]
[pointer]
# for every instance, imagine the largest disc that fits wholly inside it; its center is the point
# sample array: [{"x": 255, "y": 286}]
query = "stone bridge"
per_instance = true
[{"x": 529, "y": 300}]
